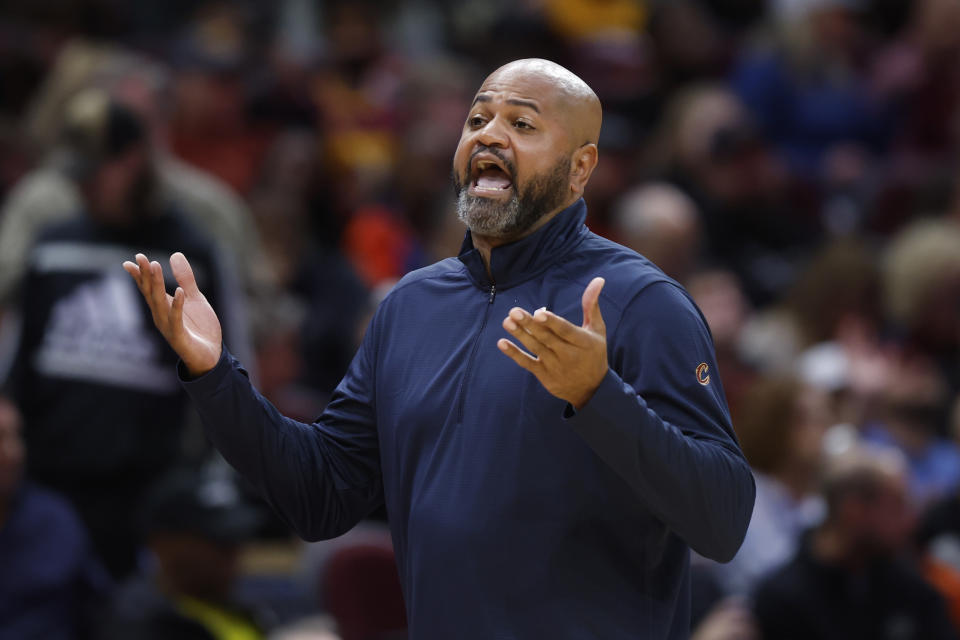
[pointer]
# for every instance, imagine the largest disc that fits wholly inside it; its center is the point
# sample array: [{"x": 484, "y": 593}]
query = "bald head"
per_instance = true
[
  {"x": 558, "y": 87},
  {"x": 528, "y": 148}
]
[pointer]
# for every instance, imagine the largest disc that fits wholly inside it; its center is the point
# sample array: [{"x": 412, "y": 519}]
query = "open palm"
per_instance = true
[{"x": 185, "y": 319}]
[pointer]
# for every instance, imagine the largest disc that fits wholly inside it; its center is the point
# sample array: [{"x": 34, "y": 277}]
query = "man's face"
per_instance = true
[
  {"x": 11, "y": 449},
  {"x": 512, "y": 164}
]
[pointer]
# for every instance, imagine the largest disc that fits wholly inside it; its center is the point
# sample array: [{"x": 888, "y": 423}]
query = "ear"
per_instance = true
[{"x": 582, "y": 163}]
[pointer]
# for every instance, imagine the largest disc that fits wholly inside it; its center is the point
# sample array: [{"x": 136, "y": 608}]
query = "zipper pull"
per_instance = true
[{"x": 493, "y": 292}]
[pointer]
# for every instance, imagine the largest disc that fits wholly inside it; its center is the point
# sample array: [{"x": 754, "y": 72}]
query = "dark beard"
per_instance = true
[{"x": 541, "y": 195}]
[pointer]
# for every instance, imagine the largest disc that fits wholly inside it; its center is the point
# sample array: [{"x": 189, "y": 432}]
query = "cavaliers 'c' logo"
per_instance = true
[{"x": 703, "y": 374}]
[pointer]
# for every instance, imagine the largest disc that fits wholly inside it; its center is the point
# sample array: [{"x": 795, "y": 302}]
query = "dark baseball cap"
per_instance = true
[
  {"x": 210, "y": 506},
  {"x": 96, "y": 128}
]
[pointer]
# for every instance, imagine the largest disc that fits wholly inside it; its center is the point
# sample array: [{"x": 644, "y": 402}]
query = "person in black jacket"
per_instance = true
[
  {"x": 103, "y": 411},
  {"x": 848, "y": 580}
]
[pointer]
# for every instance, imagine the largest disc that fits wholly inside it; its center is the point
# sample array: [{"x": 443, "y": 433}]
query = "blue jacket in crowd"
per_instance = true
[{"x": 514, "y": 516}]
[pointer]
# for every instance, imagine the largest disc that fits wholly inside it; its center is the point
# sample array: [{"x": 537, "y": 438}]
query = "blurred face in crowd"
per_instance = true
[
  {"x": 717, "y": 144},
  {"x": 115, "y": 192},
  {"x": 881, "y": 521},
  {"x": 662, "y": 224},
  {"x": 11, "y": 449},
  {"x": 527, "y": 148},
  {"x": 194, "y": 566}
]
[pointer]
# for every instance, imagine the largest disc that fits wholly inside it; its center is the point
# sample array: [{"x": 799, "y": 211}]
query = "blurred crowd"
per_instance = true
[{"x": 793, "y": 163}]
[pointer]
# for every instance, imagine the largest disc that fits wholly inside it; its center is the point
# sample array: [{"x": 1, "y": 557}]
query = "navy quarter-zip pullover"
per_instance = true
[{"x": 514, "y": 516}]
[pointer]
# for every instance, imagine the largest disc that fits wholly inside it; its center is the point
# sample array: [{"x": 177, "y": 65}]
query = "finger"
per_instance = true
[
  {"x": 159, "y": 299},
  {"x": 518, "y": 355},
  {"x": 144, "y": 280},
  {"x": 560, "y": 327},
  {"x": 520, "y": 317},
  {"x": 176, "y": 314},
  {"x": 134, "y": 272},
  {"x": 183, "y": 273},
  {"x": 592, "y": 319},
  {"x": 534, "y": 346}
]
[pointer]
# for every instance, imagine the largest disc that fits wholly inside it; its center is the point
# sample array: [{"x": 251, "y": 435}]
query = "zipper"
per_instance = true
[{"x": 473, "y": 352}]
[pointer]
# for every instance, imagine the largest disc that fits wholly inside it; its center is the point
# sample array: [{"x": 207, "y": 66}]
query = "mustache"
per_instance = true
[{"x": 495, "y": 152}]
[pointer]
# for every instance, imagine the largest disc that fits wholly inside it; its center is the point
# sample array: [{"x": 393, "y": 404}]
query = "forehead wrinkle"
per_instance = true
[{"x": 519, "y": 102}]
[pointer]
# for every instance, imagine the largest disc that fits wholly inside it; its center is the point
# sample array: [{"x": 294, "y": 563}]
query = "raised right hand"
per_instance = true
[{"x": 185, "y": 319}]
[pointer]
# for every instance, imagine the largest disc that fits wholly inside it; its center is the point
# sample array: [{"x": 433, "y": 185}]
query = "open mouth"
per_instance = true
[{"x": 490, "y": 177}]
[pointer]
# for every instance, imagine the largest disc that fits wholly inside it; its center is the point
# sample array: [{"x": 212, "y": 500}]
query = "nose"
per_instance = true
[{"x": 492, "y": 134}]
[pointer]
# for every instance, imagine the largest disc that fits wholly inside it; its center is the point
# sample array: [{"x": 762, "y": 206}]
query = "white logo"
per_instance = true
[{"x": 97, "y": 334}]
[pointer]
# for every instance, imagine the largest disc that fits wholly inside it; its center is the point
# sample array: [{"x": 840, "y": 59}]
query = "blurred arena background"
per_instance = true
[{"x": 793, "y": 163}]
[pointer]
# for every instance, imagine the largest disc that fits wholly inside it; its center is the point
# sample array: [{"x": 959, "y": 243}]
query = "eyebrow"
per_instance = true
[{"x": 514, "y": 101}]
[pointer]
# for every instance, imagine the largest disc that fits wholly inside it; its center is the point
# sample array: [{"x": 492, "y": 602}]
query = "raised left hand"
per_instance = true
[{"x": 569, "y": 361}]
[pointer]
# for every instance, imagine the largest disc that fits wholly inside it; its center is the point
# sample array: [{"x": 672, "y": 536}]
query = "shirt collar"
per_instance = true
[{"x": 526, "y": 258}]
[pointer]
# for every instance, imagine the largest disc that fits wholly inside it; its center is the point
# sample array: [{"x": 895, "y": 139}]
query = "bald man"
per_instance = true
[{"x": 541, "y": 415}]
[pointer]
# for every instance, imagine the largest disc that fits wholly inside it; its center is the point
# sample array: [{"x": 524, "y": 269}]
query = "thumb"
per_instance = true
[
  {"x": 184, "y": 274},
  {"x": 592, "y": 319}
]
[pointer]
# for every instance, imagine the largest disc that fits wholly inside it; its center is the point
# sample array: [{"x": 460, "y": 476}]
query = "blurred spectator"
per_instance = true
[
  {"x": 210, "y": 124},
  {"x": 855, "y": 378},
  {"x": 194, "y": 527},
  {"x": 307, "y": 264},
  {"x": 48, "y": 195},
  {"x": 918, "y": 64},
  {"x": 848, "y": 581},
  {"x": 98, "y": 387},
  {"x": 834, "y": 311},
  {"x": 810, "y": 92},
  {"x": 917, "y": 68},
  {"x": 689, "y": 42},
  {"x": 753, "y": 224},
  {"x": 661, "y": 223},
  {"x": 827, "y": 329},
  {"x": 357, "y": 92},
  {"x": 837, "y": 296},
  {"x": 52, "y": 585},
  {"x": 913, "y": 418},
  {"x": 780, "y": 425},
  {"x": 921, "y": 289}
]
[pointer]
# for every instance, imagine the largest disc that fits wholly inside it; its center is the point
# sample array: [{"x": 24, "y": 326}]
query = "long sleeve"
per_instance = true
[
  {"x": 321, "y": 478},
  {"x": 660, "y": 420}
]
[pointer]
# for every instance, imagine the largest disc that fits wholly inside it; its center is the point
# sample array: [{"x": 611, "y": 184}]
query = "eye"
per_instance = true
[
  {"x": 523, "y": 124},
  {"x": 475, "y": 121}
]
